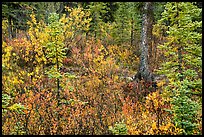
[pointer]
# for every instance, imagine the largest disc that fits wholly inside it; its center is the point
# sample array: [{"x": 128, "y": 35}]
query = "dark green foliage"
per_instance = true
[{"x": 183, "y": 65}]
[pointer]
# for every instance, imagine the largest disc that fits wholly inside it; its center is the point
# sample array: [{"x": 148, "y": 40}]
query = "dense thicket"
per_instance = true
[{"x": 69, "y": 68}]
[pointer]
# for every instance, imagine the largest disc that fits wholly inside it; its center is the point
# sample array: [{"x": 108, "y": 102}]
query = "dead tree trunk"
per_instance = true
[{"x": 144, "y": 72}]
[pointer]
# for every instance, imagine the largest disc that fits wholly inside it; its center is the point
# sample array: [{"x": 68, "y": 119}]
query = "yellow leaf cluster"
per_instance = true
[{"x": 165, "y": 129}]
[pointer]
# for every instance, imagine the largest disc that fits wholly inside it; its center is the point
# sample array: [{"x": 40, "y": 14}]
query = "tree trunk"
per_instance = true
[
  {"x": 14, "y": 28},
  {"x": 122, "y": 28},
  {"x": 132, "y": 32},
  {"x": 9, "y": 27},
  {"x": 150, "y": 18},
  {"x": 144, "y": 72},
  {"x": 179, "y": 49},
  {"x": 61, "y": 9}
]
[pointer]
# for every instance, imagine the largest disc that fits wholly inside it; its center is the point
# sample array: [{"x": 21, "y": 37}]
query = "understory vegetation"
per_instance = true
[{"x": 70, "y": 71}]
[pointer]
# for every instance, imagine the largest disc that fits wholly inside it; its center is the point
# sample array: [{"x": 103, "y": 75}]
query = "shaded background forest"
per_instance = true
[{"x": 69, "y": 68}]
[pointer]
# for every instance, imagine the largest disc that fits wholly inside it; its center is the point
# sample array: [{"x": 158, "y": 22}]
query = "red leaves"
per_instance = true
[
  {"x": 137, "y": 90},
  {"x": 97, "y": 100},
  {"x": 67, "y": 61}
]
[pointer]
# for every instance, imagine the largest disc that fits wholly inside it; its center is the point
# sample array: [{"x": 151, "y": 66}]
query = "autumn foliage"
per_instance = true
[
  {"x": 95, "y": 96},
  {"x": 90, "y": 102}
]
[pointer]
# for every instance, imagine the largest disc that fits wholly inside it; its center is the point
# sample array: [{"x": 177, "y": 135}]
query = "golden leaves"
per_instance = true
[
  {"x": 161, "y": 83},
  {"x": 93, "y": 99},
  {"x": 165, "y": 129},
  {"x": 154, "y": 126}
]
